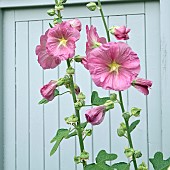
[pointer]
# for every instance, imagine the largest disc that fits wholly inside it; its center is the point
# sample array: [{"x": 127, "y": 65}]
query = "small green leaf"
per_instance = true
[
  {"x": 158, "y": 162},
  {"x": 61, "y": 134},
  {"x": 103, "y": 156},
  {"x": 83, "y": 125},
  {"x": 133, "y": 125},
  {"x": 43, "y": 101},
  {"x": 56, "y": 92},
  {"x": 96, "y": 100},
  {"x": 121, "y": 166}
]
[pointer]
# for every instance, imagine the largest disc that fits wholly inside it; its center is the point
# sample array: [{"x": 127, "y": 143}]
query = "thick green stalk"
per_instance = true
[{"x": 120, "y": 94}]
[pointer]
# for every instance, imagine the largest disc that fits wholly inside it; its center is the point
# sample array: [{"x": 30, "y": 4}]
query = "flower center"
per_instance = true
[
  {"x": 96, "y": 44},
  {"x": 63, "y": 42},
  {"x": 114, "y": 67}
]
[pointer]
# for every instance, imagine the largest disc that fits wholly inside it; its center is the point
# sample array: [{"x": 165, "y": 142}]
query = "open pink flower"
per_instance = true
[
  {"x": 61, "y": 40},
  {"x": 121, "y": 33},
  {"x": 113, "y": 66},
  {"x": 93, "y": 39},
  {"x": 46, "y": 60},
  {"x": 84, "y": 62},
  {"x": 75, "y": 23},
  {"x": 142, "y": 85},
  {"x": 95, "y": 115},
  {"x": 47, "y": 91}
]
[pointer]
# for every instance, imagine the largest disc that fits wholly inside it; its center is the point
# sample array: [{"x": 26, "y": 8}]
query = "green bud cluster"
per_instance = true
[
  {"x": 81, "y": 96},
  {"x": 121, "y": 131},
  {"x": 87, "y": 132},
  {"x": 73, "y": 119},
  {"x": 142, "y": 166},
  {"x": 129, "y": 152},
  {"x": 109, "y": 104},
  {"x": 70, "y": 70},
  {"x": 84, "y": 156},
  {"x": 138, "y": 154},
  {"x": 80, "y": 103},
  {"x": 113, "y": 97}
]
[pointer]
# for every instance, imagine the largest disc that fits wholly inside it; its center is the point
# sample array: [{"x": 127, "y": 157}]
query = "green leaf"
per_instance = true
[
  {"x": 56, "y": 92},
  {"x": 71, "y": 134},
  {"x": 158, "y": 162},
  {"x": 103, "y": 156},
  {"x": 83, "y": 125},
  {"x": 99, "y": 166},
  {"x": 43, "y": 101},
  {"x": 121, "y": 166},
  {"x": 61, "y": 134},
  {"x": 133, "y": 125},
  {"x": 96, "y": 100}
]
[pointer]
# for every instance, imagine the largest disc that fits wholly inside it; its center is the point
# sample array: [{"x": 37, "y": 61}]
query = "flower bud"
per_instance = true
[
  {"x": 123, "y": 126},
  {"x": 142, "y": 166},
  {"x": 109, "y": 105},
  {"x": 81, "y": 96},
  {"x": 88, "y": 132},
  {"x": 77, "y": 89},
  {"x": 72, "y": 119},
  {"x": 84, "y": 156},
  {"x": 135, "y": 111},
  {"x": 78, "y": 58},
  {"x": 129, "y": 152},
  {"x": 138, "y": 154},
  {"x": 51, "y": 12},
  {"x": 113, "y": 97},
  {"x": 66, "y": 80},
  {"x": 120, "y": 132},
  {"x": 126, "y": 116},
  {"x": 59, "y": 8},
  {"x": 91, "y": 6},
  {"x": 70, "y": 70},
  {"x": 79, "y": 104},
  {"x": 60, "y": 82},
  {"x": 77, "y": 159}
]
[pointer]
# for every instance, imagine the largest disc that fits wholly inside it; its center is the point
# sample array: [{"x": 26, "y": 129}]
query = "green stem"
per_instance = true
[
  {"x": 128, "y": 131},
  {"x": 120, "y": 94}
]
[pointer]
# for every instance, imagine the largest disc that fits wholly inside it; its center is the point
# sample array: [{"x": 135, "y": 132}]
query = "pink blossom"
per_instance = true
[
  {"x": 121, "y": 33},
  {"x": 142, "y": 85},
  {"x": 61, "y": 40},
  {"x": 84, "y": 62},
  {"x": 113, "y": 66},
  {"x": 47, "y": 91},
  {"x": 93, "y": 39},
  {"x": 95, "y": 115},
  {"x": 75, "y": 23},
  {"x": 44, "y": 59}
]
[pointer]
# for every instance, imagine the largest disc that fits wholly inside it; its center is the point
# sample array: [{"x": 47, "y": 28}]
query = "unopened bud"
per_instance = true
[
  {"x": 91, "y": 6},
  {"x": 81, "y": 96},
  {"x": 59, "y": 8},
  {"x": 126, "y": 116},
  {"x": 78, "y": 58},
  {"x": 88, "y": 132},
  {"x": 109, "y": 105},
  {"x": 138, "y": 154},
  {"x": 123, "y": 126},
  {"x": 120, "y": 132},
  {"x": 51, "y": 12},
  {"x": 129, "y": 152},
  {"x": 135, "y": 111},
  {"x": 79, "y": 104},
  {"x": 142, "y": 166},
  {"x": 72, "y": 119},
  {"x": 60, "y": 82},
  {"x": 77, "y": 89},
  {"x": 84, "y": 156},
  {"x": 77, "y": 159},
  {"x": 112, "y": 29},
  {"x": 113, "y": 97},
  {"x": 70, "y": 70}
]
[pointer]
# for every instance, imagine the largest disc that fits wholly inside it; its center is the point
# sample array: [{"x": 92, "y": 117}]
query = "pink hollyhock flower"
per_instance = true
[
  {"x": 75, "y": 23},
  {"x": 113, "y": 66},
  {"x": 47, "y": 91},
  {"x": 45, "y": 60},
  {"x": 61, "y": 40},
  {"x": 121, "y": 33},
  {"x": 95, "y": 115},
  {"x": 142, "y": 85},
  {"x": 84, "y": 62},
  {"x": 93, "y": 39}
]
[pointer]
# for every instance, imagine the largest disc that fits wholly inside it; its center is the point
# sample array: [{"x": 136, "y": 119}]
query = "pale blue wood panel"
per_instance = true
[
  {"x": 51, "y": 118},
  {"x": 101, "y": 133},
  {"x": 117, "y": 144},
  {"x": 36, "y": 120},
  {"x": 22, "y": 98},
  {"x": 137, "y": 99},
  {"x": 83, "y": 80},
  {"x": 153, "y": 50},
  {"x": 9, "y": 95}
]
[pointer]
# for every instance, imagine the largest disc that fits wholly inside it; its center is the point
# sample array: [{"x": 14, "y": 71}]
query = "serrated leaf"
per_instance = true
[
  {"x": 71, "y": 134},
  {"x": 61, "y": 134},
  {"x": 96, "y": 100},
  {"x": 133, "y": 125},
  {"x": 103, "y": 156},
  {"x": 43, "y": 101},
  {"x": 159, "y": 163},
  {"x": 121, "y": 166}
]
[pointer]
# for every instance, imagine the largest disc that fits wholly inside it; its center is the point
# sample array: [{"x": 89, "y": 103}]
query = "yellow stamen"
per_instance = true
[
  {"x": 114, "y": 67},
  {"x": 63, "y": 41}
]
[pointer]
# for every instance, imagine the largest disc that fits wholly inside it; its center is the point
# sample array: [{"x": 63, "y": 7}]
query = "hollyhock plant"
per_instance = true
[
  {"x": 142, "y": 85},
  {"x": 113, "y": 66},
  {"x": 121, "y": 33},
  {"x": 95, "y": 115},
  {"x": 75, "y": 23},
  {"x": 47, "y": 91},
  {"x": 46, "y": 60},
  {"x": 61, "y": 40},
  {"x": 93, "y": 39}
]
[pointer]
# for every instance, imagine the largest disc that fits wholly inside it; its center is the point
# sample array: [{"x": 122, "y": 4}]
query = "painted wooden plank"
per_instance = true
[
  {"x": 74, "y": 11},
  {"x": 19, "y": 3},
  {"x": 9, "y": 95},
  {"x": 51, "y": 118},
  {"x": 165, "y": 69},
  {"x": 1, "y": 98},
  {"x": 36, "y": 120},
  {"x": 22, "y": 98},
  {"x": 136, "y": 99},
  {"x": 117, "y": 144}
]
